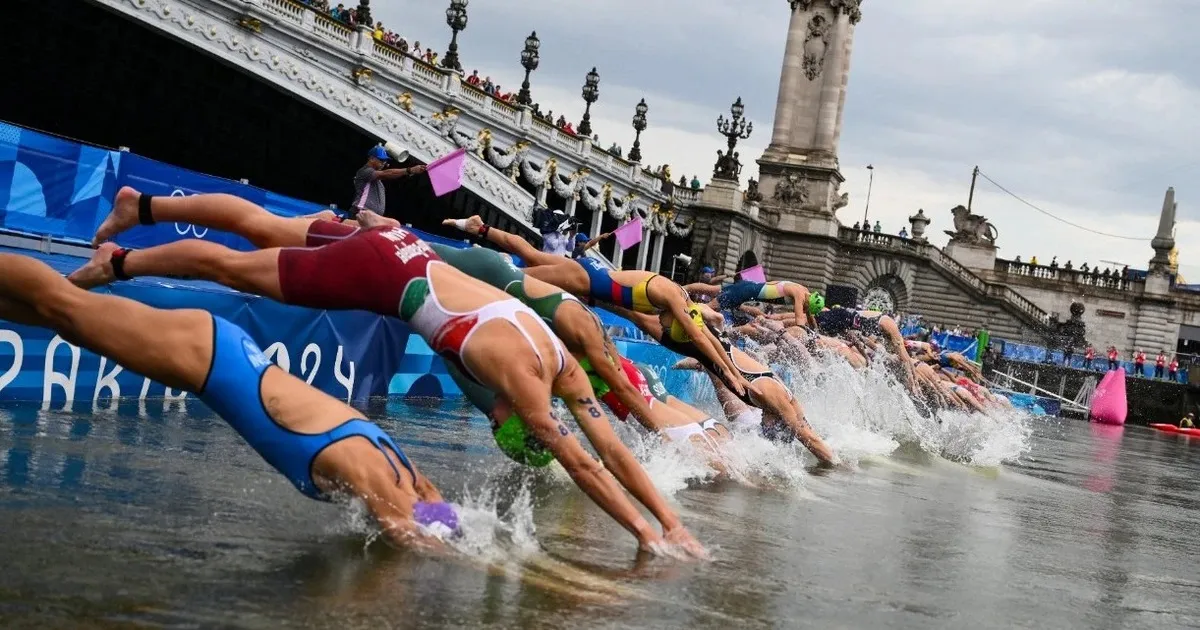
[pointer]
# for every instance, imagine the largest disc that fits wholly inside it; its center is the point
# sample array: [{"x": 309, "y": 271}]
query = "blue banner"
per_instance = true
[{"x": 351, "y": 355}]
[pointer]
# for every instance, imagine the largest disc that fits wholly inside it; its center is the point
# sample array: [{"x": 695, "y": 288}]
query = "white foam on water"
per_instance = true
[
  {"x": 486, "y": 530},
  {"x": 868, "y": 413}
]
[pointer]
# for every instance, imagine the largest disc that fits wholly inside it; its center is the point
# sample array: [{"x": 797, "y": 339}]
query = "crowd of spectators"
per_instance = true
[{"x": 1113, "y": 278}]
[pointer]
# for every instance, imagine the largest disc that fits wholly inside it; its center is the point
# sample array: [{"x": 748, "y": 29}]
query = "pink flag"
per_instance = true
[
  {"x": 446, "y": 172},
  {"x": 629, "y": 234},
  {"x": 753, "y": 274}
]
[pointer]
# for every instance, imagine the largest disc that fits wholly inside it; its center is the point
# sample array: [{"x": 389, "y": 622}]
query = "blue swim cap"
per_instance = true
[
  {"x": 708, "y": 269},
  {"x": 581, "y": 237},
  {"x": 431, "y": 514},
  {"x": 378, "y": 152}
]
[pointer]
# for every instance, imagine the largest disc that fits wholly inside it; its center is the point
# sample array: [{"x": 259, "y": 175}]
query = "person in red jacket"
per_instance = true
[
  {"x": 1173, "y": 369},
  {"x": 1160, "y": 364},
  {"x": 1112, "y": 358},
  {"x": 1139, "y": 363},
  {"x": 1089, "y": 355}
]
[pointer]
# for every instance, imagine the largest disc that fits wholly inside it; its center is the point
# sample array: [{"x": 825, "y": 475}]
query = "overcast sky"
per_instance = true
[{"x": 1086, "y": 108}]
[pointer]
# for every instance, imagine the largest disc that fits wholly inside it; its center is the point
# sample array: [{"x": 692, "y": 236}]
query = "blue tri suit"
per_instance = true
[{"x": 232, "y": 389}]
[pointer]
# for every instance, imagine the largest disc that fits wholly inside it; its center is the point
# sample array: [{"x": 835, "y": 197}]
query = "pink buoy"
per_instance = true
[{"x": 1109, "y": 405}]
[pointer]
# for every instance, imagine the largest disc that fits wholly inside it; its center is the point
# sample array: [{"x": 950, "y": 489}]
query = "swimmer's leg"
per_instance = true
[
  {"x": 216, "y": 211},
  {"x": 255, "y": 272},
  {"x": 775, "y": 401},
  {"x": 171, "y": 347}
]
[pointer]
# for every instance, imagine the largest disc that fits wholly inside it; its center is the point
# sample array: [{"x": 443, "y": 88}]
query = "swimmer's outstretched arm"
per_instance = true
[
  {"x": 575, "y": 390},
  {"x": 510, "y": 243},
  {"x": 703, "y": 288},
  {"x": 688, "y": 364}
]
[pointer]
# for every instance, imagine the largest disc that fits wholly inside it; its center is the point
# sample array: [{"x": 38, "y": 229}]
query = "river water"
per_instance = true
[{"x": 153, "y": 517}]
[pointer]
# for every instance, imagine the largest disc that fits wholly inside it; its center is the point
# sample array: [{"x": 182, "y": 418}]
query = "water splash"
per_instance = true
[{"x": 495, "y": 524}]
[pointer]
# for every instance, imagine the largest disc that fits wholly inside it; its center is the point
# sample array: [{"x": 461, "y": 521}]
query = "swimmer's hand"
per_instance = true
[
  {"x": 681, "y": 538},
  {"x": 471, "y": 225}
]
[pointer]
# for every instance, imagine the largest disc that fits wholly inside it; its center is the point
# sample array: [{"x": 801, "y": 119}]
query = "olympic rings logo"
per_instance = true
[{"x": 183, "y": 229}]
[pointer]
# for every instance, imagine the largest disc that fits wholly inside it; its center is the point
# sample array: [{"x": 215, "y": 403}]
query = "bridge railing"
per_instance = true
[
  {"x": 889, "y": 242},
  {"x": 879, "y": 239},
  {"x": 1072, "y": 276},
  {"x": 323, "y": 26}
]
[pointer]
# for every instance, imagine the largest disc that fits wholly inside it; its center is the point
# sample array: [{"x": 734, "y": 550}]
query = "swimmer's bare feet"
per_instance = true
[
  {"x": 470, "y": 225},
  {"x": 124, "y": 215},
  {"x": 98, "y": 271},
  {"x": 368, "y": 219}
]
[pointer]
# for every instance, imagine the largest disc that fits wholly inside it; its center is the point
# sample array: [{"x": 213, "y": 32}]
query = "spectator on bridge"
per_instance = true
[
  {"x": 1017, "y": 259},
  {"x": 857, "y": 226},
  {"x": 1089, "y": 355},
  {"x": 369, "y": 193},
  {"x": 561, "y": 122},
  {"x": 1084, "y": 268},
  {"x": 1112, "y": 358},
  {"x": 1033, "y": 261},
  {"x": 878, "y": 228},
  {"x": 1139, "y": 362},
  {"x": 903, "y": 233},
  {"x": 1160, "y": 364},
  {"x": 474, "y": 78},
  {"x": 683, "y": 182},
  {"x": 1068, "y": 267},
  {"x": 1054, "y": 262},
  {"x": 695, "y": 183},
  {"x": 416, "y": 50},
  {"x": 1173, "y": 369}
]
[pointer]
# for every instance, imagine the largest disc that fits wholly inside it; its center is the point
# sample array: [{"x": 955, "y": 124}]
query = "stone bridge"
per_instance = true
[{"x": 909, "y": 275}]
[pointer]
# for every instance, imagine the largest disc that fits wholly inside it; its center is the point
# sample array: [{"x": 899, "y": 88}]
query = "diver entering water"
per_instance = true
[
  {"x": 322, "y": 446},
  {"x": 487, "y": 335},
  {"x": 643, "y": 292}
]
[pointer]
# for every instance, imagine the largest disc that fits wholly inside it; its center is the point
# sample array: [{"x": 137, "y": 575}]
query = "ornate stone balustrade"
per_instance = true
[
  {"x": 427, "y": 110},
  {"x": 940, "y": 259},
  {"x": 1113, "y": 281}
]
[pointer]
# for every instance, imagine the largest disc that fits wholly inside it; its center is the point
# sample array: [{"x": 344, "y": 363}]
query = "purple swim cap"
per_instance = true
[{"x": 427, "y": 514}]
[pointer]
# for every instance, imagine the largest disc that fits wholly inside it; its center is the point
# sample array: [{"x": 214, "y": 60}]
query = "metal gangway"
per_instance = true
[{"x": 1082, "y": 403}]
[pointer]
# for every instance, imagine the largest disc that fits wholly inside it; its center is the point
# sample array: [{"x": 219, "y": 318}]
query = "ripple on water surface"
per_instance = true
[{"x": 166, "y": 518}]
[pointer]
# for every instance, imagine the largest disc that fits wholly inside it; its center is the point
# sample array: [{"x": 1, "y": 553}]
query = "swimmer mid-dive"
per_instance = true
[
  {"x": 640, "y": 291},
  {"x": 732, "y": 296},
  {"x": 783, "y": 414},
  {"x": 491, "y": 337},
  {"x": 325, "y": 448}
]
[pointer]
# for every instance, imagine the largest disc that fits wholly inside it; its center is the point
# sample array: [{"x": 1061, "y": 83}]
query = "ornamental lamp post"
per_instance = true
[
  {"x": 734, "y": 129},
  {"x": 591, "y": 92},
  {"x": 529, "y": 61},
  {"x": 639, "y": 125},
  {"x": 867, "y": 207},
  {"x": 456, "y": 19},
  {"x": 363, "y": 14}
]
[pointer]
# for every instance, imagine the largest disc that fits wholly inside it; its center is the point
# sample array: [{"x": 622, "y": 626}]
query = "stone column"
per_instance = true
[
  {"x": 644, "y": 247},
  {"x": 618, "y": 254},
  {"x": 790, "y": 76},
  {"x": 541, "y": 196},
  {"x": 831, "y": 88},
  {"x": 597, "y": 217},
  {"x": 658, "y": 252},
  {"x": 570, "y": 207}
]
